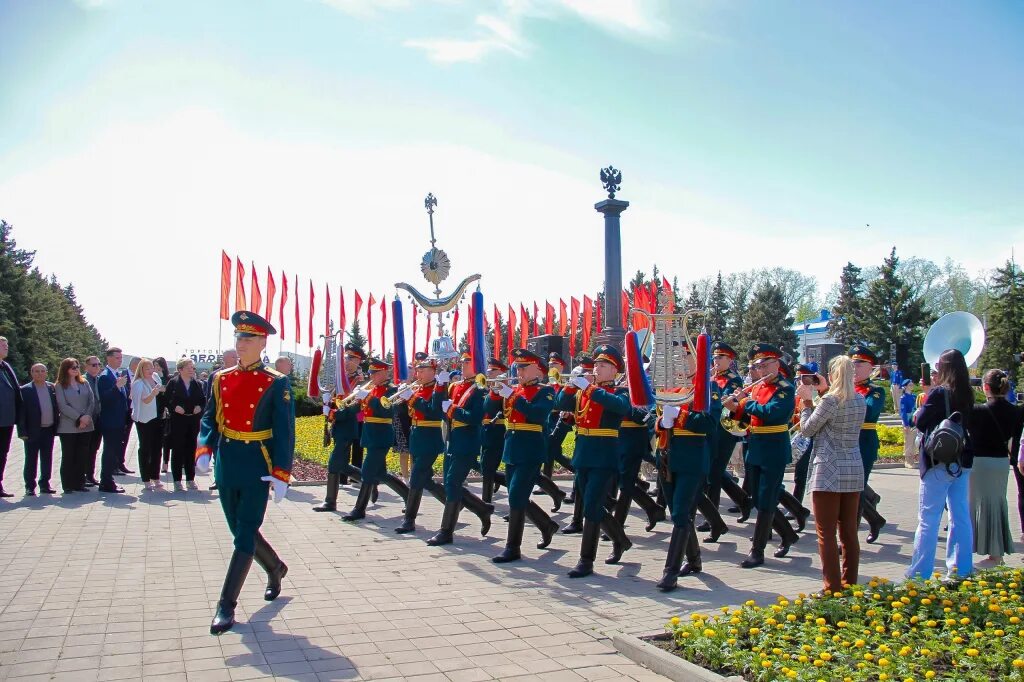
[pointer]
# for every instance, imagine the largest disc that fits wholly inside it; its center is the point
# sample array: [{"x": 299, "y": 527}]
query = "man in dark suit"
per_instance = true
[
  {"x": 112, "y": 385},
  {"x": 122, "y": 465},
  {"x": 228, "y": 360},
  {"x": 92, "y": 373},
  {"x": 37, "y": 426},
  {"x": 10, "y": 408}
]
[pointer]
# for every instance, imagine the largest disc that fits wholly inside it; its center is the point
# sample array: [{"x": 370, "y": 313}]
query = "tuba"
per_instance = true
[{"x": 961, "y": 331}]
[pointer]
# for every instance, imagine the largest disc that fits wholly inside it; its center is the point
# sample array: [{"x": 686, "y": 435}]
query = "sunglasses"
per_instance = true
[{"x": 73, "y": 367}]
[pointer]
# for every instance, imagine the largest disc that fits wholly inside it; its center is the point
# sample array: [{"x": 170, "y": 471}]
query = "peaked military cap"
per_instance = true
[
  {"x": 805, "y": 369},
  {"x": 722, "y": 348},
  {"x": 554, "y": 358},
  {"x": 523, "y": 356},
  {"x": 465, "y": 356},
  {"x": 606, "y": 353},
  {"x": 862, "y": 353},
  {"x": 248, "y": 323},
  {"x": 376, "y": 364},
  {"x": 586, "y": 362},
  {"x": 354, "y": 351},
  {"x": 423, "y": 360},
  {"x": 495, "y": 363},
  {"x": 760, "y": 352}
]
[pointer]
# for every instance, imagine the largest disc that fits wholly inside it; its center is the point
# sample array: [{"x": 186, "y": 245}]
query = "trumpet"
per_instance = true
[
  {"x": 350, "y": 398},
  {"x": 398, "y": 400}
]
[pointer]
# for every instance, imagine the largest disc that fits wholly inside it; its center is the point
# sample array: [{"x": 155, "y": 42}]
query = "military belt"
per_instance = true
[
  {"x": 685, "y": 432},
  {"x": 457, "y": 424},
  {"x": 632, "y": 425},
  {"x": 779, "y": 428},
  {"x": 600, "y": 433},
  {"x": 426, "y": 424},
  {"x": 248, "y": 436},
  {"x": 869, "y": 426},
  {"x": 513, "y": 426},
  {"x": 377, "y": 420}
]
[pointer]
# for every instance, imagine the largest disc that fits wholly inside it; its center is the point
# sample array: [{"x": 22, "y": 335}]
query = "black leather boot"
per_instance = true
[
  {"x": 576, "y": 525},
  {"x": 793, "y": 506},
  {"x": 620, "y": 510},
  {"x": 620, "y": 543},
  {"x": 543, "y": 522},
  {"x": 516, "y": 522},
  {"x": 737, "y": 495},
  {"x": 875, "y": 520},
  {"x": 588, "y": 550},
  {"x": 373, "y": 494},
  {"x": 786, "y": 533},
  {"x": 446, "y": 534},
  {"x": 331, "y": 498},
  {"x": 270, "y": 562},
  {"x": 362, "y": 499},
  {"x": 238, "y": 568},
  {"x": 412, "y": 508},
  {"x": 571, "y": 498},
  {"x": 710, "y": 512},
  {"x": 483, "y": 510},
  {"x": 552, "y": 489},
  {"x": 674, "y": 560},
  {"x": 762, "y": 527},
  {"x": 693, "y": 563},
  {"x": 655, "y": 512},
  {"x": 487, "y": 491}
]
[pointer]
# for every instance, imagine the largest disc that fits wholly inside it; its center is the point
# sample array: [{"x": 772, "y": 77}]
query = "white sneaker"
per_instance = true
[
  {"x": 178, "y": 487},
  {"x": 192, "y": 485},
  {"x": 157, "y": 485},
  {"x": 149, "y": 486}
]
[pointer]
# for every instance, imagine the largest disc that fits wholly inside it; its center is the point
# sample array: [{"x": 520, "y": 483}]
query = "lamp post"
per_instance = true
[{"x": 614, "y": 332}]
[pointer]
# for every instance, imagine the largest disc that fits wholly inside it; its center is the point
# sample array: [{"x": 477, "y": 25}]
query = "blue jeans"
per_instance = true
[{"x": 939, "y": 488}]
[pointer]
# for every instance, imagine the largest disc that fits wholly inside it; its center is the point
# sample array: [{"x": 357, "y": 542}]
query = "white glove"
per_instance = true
[
  {"x": 668, "y": 416},
  {"x": 327, "y": 410},
  {"x": 444, "y": 377},
  {"x": 361, "y": 393},
  {"x": 280, "y": 487},
  {"x": 580, "y": 382},
  {"x": 405, "y": 393},
  {"x": 203, "y": 464},
  {"x": 445, "y": 405},
  {"x": 505, "y": 391}
]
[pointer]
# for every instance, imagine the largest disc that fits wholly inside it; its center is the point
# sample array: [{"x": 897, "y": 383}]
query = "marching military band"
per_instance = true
[{"x": 481, "y": 423}]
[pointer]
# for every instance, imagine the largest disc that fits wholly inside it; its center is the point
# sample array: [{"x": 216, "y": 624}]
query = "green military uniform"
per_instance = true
[
  {"x": 526, "y": 412},
  {"x": 634, "y": 444},
  {"x": 683, "y": 463},
  {"x": 426, "y": 442},
  {"x": 721, "y": 442},
  {"x": 874, "y": 398},
  {"x": 249, "y": 430},
  {"x": 492, "y": 437}
]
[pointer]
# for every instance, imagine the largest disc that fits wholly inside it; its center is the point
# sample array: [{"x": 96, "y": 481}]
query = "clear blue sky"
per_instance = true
[{"x": 748, "y": 133}]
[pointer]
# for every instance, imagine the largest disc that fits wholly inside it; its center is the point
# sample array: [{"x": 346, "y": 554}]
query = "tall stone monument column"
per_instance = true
[{"x": 614, "y": 331}]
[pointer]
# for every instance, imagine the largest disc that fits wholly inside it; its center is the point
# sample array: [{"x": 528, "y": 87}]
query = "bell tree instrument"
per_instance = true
[{"x": 667, "y": 342}]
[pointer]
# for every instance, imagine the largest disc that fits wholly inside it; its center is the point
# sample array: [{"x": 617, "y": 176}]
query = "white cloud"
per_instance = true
[
  {"x": 364, "y": 8},
  {"x": 643, "y": 17}
]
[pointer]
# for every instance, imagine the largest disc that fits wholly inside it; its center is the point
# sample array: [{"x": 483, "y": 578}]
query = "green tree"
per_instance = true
[
  {"x": 718, "y": 310},
  {"x": 694, "y": 300},
  {"x": 355, "y": 335},
  {"x": 847, "y": 317},
  {"x": 894, "y": 317},
  {"x": 767, "y": 320},
  {"x": 1005, "y": 313},
  {"x": 734, "y": 330}
]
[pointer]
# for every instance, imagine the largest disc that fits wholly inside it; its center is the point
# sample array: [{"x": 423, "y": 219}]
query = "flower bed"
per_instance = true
[{"x": 923, "y": 630}]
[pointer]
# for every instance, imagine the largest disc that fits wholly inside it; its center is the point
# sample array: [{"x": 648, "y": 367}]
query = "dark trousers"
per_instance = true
[
  {"x": 1020, "y": 493},
  {"x": 150, "y": 434},
  {"x": 96, "y": 437},
  {"x": 800, "y": 470},
  {"x": 113, "y": 450},
  {"x": 39, "y": 458},
  {"x": 244, "y": 509},
  {"x": 127, "y": 432},
  {"x": 184, "y": 432},
  {"x": 832, "y": 511},
  {"x": 74, "y": 455},
  {"x": 5, "y": 446},
  {"x": 594, "y": 484}
]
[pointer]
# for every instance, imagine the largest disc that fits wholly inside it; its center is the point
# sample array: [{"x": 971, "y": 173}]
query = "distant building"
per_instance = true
[{"x": 814, "y": 341}]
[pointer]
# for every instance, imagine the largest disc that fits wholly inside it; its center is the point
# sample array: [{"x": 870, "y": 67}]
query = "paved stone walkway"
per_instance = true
[{"x": 122, "y": 587}]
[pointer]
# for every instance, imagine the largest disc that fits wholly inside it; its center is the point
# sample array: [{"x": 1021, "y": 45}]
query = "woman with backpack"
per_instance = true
[
  {"x": 995, "y": 433},
  {"x": 945, "y": 463}
]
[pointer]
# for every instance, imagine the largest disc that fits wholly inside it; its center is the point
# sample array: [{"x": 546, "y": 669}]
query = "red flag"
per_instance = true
[
  {"x": 549, "y": 318},
  {"x": 239, "y": 285},
  {"x": 225, "y": 285},
  {"x": 369, "y": 321},
  {"x": 455, "y": 328},
  {"x": 561, "y": 317},
  {"x": 359, "y": 304},
  {"x": 588, "y": 316},
  {"x": 298, "y": 323},
  {"x": 671, "y": 307},
  {"x": 415, "y": 314},
  {"x": 327, "y": 310},
  {"x": 524, "y": 326},
  {"x": 497, "y": 333},
  {"x": 312, "y": 308},
  {"x": 383, "y": 321},
  {"x": 342, "y": 318},
  {"x": 511, "y": 328},
  {"x": 256, "y": 300},
  {"x": 426, "y": 344},
  {"x": 536, "y": 321},
  {"x": 639, "y": 301},
  {"x": 653, "y": 297},
  {"x": 574, "y": 307},
  {"x": 597, "y": 313},
  {"x": 284, "y": 299},
  {"x": 625, "y": 307},
  {"x": 271, "y": 290}
]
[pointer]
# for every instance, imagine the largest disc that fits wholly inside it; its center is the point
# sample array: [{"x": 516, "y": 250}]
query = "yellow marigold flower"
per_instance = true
[
  {"x": 766, "y": 664},
  {"x": 929, "y": 674},
  {"x": 1000, "y": 633},
  {"x": 950, "y": 621},
  {"x": 858, "y": 593},
  {"x": 931, "y": 623},
  {"x": 791, "y": 617},
  {"x": 734, "y": 620},
  {"x": 771, "y": 621},
  {"x": 855, "y": 607},
  {"x": 965, "y": 621},
  {"x": 755, "y": 631},
  {"x": 926, "y": 601},
  {"x": 994, "y": 607},
  {"x": 905, "y": 651},
  {"x": 675, "y": 620},
  {"x": 925, "y": 652},
  {"x": 883, "y": 676},
  {"x": 802, "y": 658},
  {"x": 915, "y": 620},
  {"x": 806, "y": 647},
  {"x": 826, "y": 655},
  {"x": 709, "y": 632},
  {"x": 859, "y": 643},
  {"x": 685, "y": 634},
  {"x": 749, "y": 602},
  {"x": 724, "y": 609},
  {"x": 819, "y": 640},
  {"x": 819, "y": 621},
  {"x": 791, "y": 674},
  {"x": 731, "y": 641},
  {"x": 861, "y": 665},
  {"x": 868, "y": 656},
  {"x": 873, "y": 583},
  {"x": 883, "y": 662},
  {"x": 965, "y": 609},
  {"x": 958, "y": 640},
  {"x": 776, "y": 651},
  {"x": 972, "y": 652},
  {"x": 1018, "y": 662},
  {"x": 897, "y": 616}
]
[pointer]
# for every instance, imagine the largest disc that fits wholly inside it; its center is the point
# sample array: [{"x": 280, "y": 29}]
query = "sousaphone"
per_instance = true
[{"x": 960, "y": 330}]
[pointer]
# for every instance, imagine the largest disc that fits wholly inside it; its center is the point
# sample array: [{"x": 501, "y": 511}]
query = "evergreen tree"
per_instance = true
[
  {"x": 893, "y": 317},
  {"x": 355, "y": 335},
  {"x": 846, "y": 325},
  {"x": 734, "y": 329},
  {"x": 693, "y": 300},
  {"x": 718, "y": 310},
  {"x": 767, "y": 320},
  {"x": 1005, "y": 313}
]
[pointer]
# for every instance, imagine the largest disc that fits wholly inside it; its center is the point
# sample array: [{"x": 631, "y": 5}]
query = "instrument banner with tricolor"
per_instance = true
[
  {"x": 477, "y": 334},
  {"x": 641, "y": 394},
  {"x": 702, "y": 379},
  {"x": 344, "y": 386},
  {"x": 401, "y": 361}
]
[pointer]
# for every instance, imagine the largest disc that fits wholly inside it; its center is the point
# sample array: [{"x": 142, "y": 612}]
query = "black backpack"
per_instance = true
[{"x": 945, "y": 443}]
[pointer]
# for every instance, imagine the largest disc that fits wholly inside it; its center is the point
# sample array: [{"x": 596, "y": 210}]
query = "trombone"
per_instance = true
[
  {"x": 397, "y": 400},
  {"x": 350, "y": 398}
]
